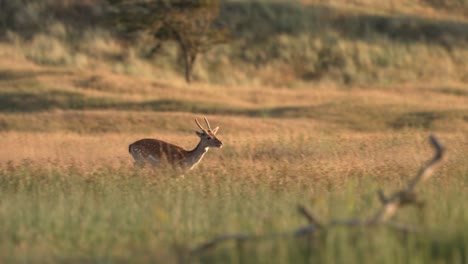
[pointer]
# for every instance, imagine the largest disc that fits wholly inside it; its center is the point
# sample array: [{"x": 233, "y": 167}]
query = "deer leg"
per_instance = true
[
  {"x": 139, "y": 159},
  {"x": 154, "y": 161}
]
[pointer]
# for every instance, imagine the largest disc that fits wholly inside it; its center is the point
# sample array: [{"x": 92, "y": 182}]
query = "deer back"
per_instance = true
[{"x": 157, "y": 149}]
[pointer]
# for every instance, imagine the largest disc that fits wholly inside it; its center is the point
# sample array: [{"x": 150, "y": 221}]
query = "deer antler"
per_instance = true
[
  {"x": 207, "y": 123},
  {"x": 198, "y": 123}
]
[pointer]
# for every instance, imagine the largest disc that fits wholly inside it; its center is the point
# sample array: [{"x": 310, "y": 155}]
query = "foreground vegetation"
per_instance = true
[{"x": 79, "y": 199}]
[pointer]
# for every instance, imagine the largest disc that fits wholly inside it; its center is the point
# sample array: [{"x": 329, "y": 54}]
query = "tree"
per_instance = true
[{"x": 190, "y": 23}]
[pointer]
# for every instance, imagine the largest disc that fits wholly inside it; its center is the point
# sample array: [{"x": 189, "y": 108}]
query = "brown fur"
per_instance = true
[{"x": 159, "y": 149}]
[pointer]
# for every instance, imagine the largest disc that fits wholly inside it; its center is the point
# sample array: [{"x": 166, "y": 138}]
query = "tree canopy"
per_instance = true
[{"x": 190, "y": 23}]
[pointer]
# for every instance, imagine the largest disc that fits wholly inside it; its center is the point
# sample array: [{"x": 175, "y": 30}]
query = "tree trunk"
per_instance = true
[
  {"x": 188, "y": 69},
  {"x": 189, "y": 61},
  {"x": 188, "y": 56}
]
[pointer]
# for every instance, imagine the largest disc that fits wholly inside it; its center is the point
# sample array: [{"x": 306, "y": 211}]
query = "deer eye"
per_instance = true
[{"x": 209, "y": 138}]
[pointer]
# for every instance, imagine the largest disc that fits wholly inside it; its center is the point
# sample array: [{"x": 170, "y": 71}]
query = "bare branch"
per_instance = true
[
  {"x": 407, "y": 196},
  {"x": 349, "y": 222},
  {"x": 427, "y": 170},
  {"x": 401, "y": 227},
  {"x": 382, "y": 197},
  {"x": 305, "y": 230},
  {"x": 239, "y": 237},
  {"x": 220, "y": 239},
  {"x": 310, "y": 218}
]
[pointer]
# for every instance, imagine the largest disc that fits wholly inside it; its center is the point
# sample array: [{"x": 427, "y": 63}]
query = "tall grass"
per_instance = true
[
  {"x": 77, "y": 197},
  {"x": 76, "y": 213}
]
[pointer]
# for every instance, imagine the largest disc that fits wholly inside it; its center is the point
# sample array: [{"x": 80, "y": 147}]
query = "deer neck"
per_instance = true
[{"x": 195, "y": 156}]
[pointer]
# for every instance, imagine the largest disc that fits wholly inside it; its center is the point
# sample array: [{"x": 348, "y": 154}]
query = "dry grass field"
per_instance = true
[{"x": 327, "y": 135}]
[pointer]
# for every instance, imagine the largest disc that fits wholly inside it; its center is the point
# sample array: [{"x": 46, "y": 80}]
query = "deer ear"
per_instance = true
[
  {"x": 200, "y": 134},
  {"x": 215, "y": 130}
]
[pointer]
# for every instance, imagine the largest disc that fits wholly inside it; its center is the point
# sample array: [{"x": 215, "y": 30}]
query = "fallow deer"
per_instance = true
[{"x": 155, "y": 151}]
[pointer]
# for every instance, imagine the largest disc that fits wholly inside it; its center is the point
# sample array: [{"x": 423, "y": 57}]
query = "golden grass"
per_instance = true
[
  {"x": 396, "y": 7},
  {"x": 320, "y": 116},
  {"x": 295, "y": 154}
]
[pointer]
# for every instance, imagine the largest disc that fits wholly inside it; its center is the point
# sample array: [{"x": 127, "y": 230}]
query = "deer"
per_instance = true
[{"x": 156, "y": 152}]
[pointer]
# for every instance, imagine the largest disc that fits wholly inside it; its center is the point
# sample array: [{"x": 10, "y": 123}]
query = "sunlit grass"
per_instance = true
[
  {"x": 70, "y": 209},
  {"x": 69, "y": 191}
]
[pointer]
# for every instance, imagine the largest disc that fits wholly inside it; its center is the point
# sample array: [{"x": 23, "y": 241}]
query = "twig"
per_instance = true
[
  {"x": 217, "y": 240},
  {"x": 427, "y": 170},
  {"x": 401, "y": 227},
  {"x": 239, "y": 237},
  {"x": 312, "y": 220}
]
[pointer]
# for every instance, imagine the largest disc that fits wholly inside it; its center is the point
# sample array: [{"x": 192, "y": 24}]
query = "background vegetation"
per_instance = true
[
  {"x": 319, "y": 103},
  {"x": 359, "y": 43}
]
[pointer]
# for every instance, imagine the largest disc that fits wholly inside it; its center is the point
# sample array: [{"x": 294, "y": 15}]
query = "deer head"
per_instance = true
[{"x": 208, "y": 136}]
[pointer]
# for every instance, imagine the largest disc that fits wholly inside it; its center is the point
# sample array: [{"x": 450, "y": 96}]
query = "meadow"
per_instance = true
[{"x": 327, "y": 135}]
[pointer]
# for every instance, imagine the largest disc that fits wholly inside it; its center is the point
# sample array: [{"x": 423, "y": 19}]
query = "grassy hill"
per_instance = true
[{"x": 359, "y": 43}]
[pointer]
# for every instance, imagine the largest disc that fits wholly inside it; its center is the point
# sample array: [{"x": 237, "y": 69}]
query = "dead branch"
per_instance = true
[
  {"x": 217, "y": 240},
  {"x": 408, "y": 196},
  {"x": 427, "y": 170},
  {"x": 236, "y": 237},
  {"x": 312, "y": 220},
  {"x": 382, "y": 217}
]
